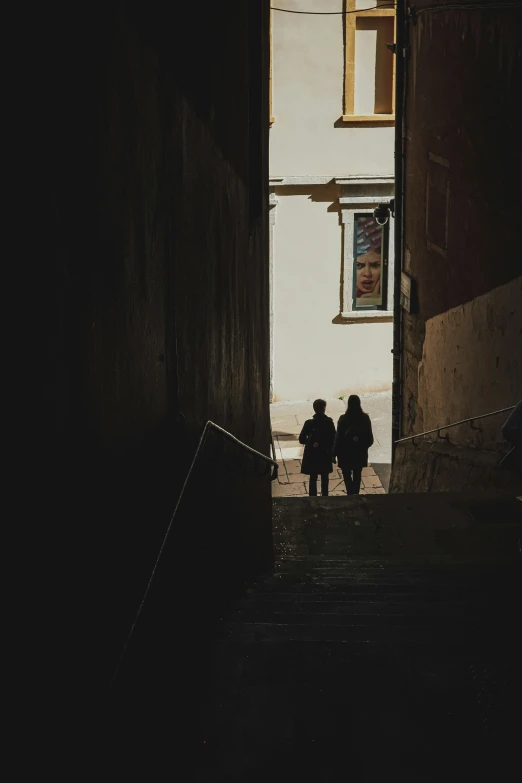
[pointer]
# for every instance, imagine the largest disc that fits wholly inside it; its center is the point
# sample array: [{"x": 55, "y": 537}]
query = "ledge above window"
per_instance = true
[{"x": 369, "y": 119}]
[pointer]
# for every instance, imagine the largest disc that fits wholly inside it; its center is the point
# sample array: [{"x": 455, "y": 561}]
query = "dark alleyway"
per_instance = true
[{"x": 143, "y": 313}]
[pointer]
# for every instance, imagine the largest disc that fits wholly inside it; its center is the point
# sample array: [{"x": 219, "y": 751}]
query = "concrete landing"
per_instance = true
[{"x": 416, "y": 526}]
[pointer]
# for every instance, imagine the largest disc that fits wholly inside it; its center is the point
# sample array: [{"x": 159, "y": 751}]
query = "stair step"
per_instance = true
[
  {"x": 341, "y": 588},
  {"x": 388, "y": 647},
  {"x": 357, "y": 579},
  {"x": 375, "y": 605},
  {"x": 370, "y": 632},
  {"x": 381, "y": 617}
]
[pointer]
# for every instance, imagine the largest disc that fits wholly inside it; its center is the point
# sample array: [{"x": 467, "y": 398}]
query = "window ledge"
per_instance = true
[
  {"x": 365, "y": 316},
  {"x": 370, "y": 119},
  {"x": 375, "y": 12},
  {"x": 272, "y": 120}
]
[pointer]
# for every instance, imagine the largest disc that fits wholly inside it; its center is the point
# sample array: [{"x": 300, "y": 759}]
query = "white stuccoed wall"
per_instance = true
[
  {"x": 308, "y": 84},
  {"x": 314, "y": 357},
  {"x": 311, "y": 355}
]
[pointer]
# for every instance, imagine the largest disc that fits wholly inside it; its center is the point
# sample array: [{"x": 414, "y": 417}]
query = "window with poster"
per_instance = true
[{"x": 370, "y": 260}]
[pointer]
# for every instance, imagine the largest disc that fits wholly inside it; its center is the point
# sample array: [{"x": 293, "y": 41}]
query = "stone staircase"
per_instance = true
[{"x": 386, "y": 644}]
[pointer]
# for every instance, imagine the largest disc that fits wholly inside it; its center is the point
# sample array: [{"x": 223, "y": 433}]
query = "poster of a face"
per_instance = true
[{"x": 368, "y": 261}]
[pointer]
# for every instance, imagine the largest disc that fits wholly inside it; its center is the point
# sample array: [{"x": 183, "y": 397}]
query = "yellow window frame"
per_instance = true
[{"x": 350, "y": 26}]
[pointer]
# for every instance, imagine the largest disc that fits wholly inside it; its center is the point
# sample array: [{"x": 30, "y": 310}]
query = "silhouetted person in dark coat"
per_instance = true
[
  {"x": 354, "y": 438},
  {"x": 318, "y": 435}
]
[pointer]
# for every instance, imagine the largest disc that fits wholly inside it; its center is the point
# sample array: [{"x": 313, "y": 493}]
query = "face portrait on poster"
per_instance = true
[{"x": 368, "y": 260}]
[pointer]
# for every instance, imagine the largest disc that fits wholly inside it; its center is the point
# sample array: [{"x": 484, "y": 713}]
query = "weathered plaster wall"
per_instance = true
[
  {"x": 315, "y": 351},
  {"x": 463, "y": 242},
  {"x": 440, "y": 467},
  {"x": 149, "y": 218},
  {"x": 316, "y": 354},
  {"x": 478, "y": 214},
  {"x": 472, "y": 364}
]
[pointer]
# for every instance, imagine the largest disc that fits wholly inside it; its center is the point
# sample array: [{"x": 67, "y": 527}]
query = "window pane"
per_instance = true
[
  {"x": 369, "y": 283},
  {"x": 373, "y": 65}
]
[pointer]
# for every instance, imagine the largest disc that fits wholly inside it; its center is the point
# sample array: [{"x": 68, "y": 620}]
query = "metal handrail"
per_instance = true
[
  {"x": 208, "y": 426},
  {"x": 211, "y": 425},
  {"x": 455, "y": 424},
  {"x": 274, "y": 455}
]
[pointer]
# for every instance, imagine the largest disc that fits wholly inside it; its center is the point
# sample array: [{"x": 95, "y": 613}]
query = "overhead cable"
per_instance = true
[{"x": 332, "y": 13}]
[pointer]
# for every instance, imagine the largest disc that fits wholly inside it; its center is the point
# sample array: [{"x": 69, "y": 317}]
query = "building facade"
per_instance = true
[{"x": 331, "y": 163}]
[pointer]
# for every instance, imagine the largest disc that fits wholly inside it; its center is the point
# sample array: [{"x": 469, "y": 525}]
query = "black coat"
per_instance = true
[
  {"x": 352, "y": 454},
  {"x": 317, "y": 458}
]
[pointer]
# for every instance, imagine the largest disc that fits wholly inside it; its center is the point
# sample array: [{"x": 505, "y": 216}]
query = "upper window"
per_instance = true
[{"x": 369, "y": 83}]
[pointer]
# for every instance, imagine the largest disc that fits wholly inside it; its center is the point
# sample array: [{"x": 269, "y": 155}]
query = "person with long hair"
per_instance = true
[
  {"x": 368, "y": 261},
  {"x": 353, "y": 439}
]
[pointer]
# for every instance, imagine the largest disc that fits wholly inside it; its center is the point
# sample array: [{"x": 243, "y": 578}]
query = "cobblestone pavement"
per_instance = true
[{"x": 287, "y": 421}]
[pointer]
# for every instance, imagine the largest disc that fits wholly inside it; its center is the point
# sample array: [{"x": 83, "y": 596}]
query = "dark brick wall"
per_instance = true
[
  {"x": 463, "y": 72},
  {"x": 463, "y": 165},
  {"x": 147, "y": 257}
]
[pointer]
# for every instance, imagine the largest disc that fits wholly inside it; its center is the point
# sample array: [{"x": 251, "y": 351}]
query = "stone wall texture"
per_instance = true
[
  {"x": 463, "y": 245},
  {"x": 148, "y": 206}
]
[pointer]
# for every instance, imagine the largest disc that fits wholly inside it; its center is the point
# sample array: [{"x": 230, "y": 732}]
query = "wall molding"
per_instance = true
[
  {"x": 301, "y": 179},
  {"x": 380, "y": 179},
  {"x": 370, "y": 200},
  {"x": 331, "y": 179}
]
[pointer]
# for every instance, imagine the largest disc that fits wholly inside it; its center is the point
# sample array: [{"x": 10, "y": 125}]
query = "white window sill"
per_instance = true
[
  {"x": 369, "y": 119},
  {"x": 355, "y": 316}
]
